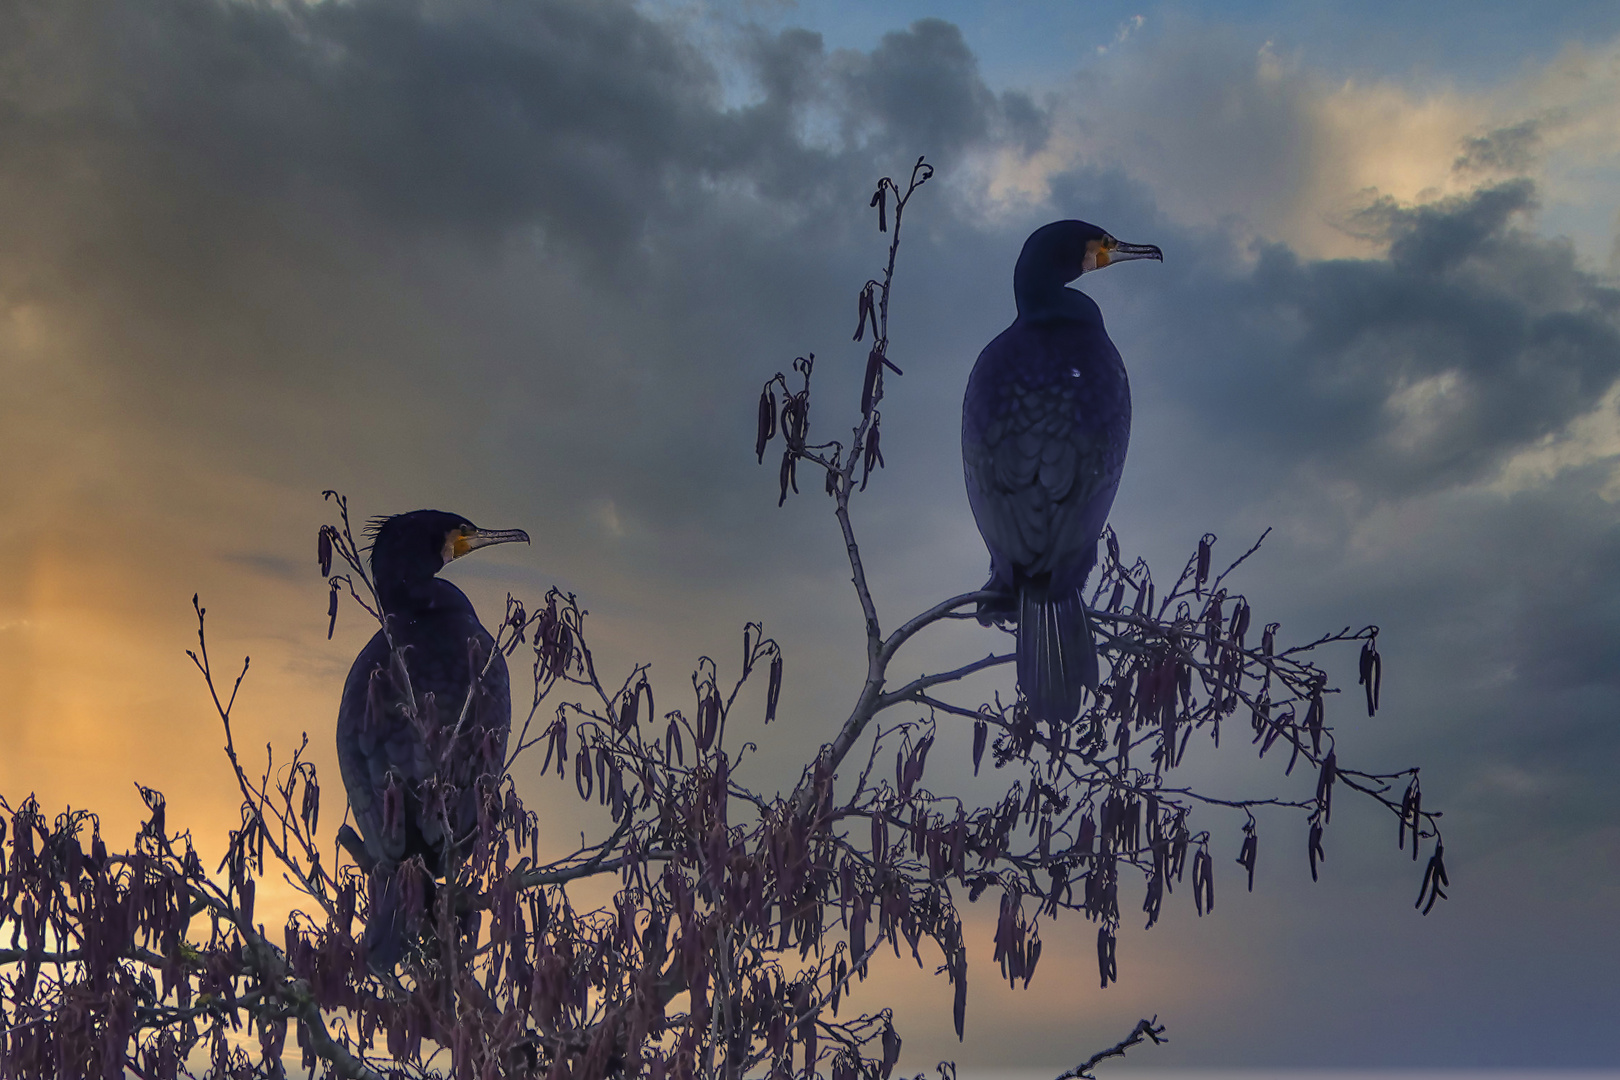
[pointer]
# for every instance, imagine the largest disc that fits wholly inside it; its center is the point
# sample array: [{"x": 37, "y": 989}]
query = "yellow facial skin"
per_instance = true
[
  {"x": 1097, "y": 253},
  {"x": 457, "y": 542}
]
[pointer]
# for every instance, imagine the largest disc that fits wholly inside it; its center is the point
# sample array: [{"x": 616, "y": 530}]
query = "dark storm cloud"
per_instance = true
[
  {"x": 1472, "y": 340},
  {"x": 1505, "y": 149},
  {"x": 1503, "y": 619},
  {"x": 1566, "y": 622},
  {"x": 588, "y": 119},
  {"x": 922, "y": 85},
  {"x": 397, "y": 217},
  {"x": 474, "y": 116},
  {"x": 919, "y": 88}
]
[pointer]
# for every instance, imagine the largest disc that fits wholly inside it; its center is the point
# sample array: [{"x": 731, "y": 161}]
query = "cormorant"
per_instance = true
[
  {"x": 1045, "y": 423},
  {"x": 412, "y": 781}
]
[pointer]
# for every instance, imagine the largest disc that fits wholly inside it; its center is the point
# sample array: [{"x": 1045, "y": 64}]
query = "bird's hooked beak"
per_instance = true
[
  {"x": 465, "y": 539},
  {"x": 1100, "y": 253}
]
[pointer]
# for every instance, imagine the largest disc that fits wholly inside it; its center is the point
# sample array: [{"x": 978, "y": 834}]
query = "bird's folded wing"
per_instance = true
[{"x": 1033, "y": 486}]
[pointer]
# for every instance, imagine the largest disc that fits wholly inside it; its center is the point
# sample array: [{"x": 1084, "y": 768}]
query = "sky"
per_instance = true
[{"x": 531, "y": 262}]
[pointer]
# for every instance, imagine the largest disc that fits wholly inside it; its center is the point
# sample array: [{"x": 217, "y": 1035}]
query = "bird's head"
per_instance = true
[
  {"x": 1056, "y": 254},
  {"x": 415, "y": 546}
]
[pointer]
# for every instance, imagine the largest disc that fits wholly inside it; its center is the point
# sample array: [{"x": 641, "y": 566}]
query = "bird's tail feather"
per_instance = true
[
  {"x": 385, "y": 928},
  {"x": 402, "y": 894},
  {"x": 1057, "y": 654}
]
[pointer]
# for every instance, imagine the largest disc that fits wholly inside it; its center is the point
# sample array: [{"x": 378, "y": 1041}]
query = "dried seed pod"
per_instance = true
[
  {"x": 767, "y": 422},
  {"x": 1246, "y": 856},
  {"x": 790, "y": 428},
  {"x": 708, "y": 718},
  {"x": 774, "y": 689},
  {"x": 1240, "y": 622},
  {"x": 874, "y": 454},
  {"x": 1412, "y": 810},
  {"x": 958, "y": 973},
  {"x": 1213, "y": 620},
  {"x": 1324, "y": 785},
  {"x": 1203, "y": 882},
  {"x": 1204, "y": 544},
  {"x": 789, "y": 477},
  {"x": 627, "y": 714},
  {"x": 311, "y": 810},
  {"x": 1314, "y": 716},
  {"x": 583, "y": 779},
  {"x": 880, "y": 199},
  {"x": 1033, "y": 956},
  {"x": 1434, "y": 877},
  {"x": 1372, "y": 672},
  {"x": 864, "y": 312},
  {"x": 870, "y": 392},
  {"x": 324, "y": 550}
]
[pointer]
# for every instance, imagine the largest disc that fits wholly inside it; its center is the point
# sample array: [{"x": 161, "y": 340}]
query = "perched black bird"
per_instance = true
[
  {"x": 1045, "y": 424},
  {"x": 426, "y": 712}
]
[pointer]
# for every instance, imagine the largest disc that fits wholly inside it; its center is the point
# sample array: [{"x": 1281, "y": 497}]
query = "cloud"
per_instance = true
[
  {"x": 1126, "y": 29},
  {"x": 1508, "y": 149},
  {"x": 1238, "y": 135},
  {"x": 1471, "y": 341},
  {"x": 531, "y": 262},
  {"x": 1233, "y": 137},
  {"x": 473, "y": 116},
  {"x": 206, "y": 197}
]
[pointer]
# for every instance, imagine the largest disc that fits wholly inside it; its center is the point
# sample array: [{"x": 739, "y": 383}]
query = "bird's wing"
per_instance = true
[
  {"x": 367, "y": 742},
  {"x": 987, "y": 498},
  {"x": 1043, "y": 454},
  {"x": 462, "y": 749},
  {"x": 379, "y": 746},
  {"x": 481, "y": 749}
]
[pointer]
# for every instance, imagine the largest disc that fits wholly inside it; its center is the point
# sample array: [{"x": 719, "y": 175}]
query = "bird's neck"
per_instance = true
[
  {"x": 1049, "y": 299},
  {"x": 415, "y": 596}
]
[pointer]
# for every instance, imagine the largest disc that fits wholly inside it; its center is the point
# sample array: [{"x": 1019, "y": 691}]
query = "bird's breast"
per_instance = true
[
  {"x": 1045, "y": 425},
  {"x": 1044, "y": 380}
]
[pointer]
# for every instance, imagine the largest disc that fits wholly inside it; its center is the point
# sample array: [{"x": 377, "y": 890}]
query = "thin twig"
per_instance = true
[{"x": 1144, "y": 1030}]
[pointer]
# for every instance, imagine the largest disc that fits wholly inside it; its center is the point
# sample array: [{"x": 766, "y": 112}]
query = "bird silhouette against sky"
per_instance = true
[
  {"x": 1045, "y": 424},
  {"x": 426, "y": 713}
]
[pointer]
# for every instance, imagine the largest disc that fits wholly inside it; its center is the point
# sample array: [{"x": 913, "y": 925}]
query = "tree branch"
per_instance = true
[{"x": 1144, "y": 1030}]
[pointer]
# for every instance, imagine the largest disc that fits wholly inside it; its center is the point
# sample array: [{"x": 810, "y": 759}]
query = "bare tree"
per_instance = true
[{"x": 739, "y": 917}]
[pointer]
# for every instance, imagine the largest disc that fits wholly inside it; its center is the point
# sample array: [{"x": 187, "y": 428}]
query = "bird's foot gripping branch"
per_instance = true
[{"x": 708, "y": 927}]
